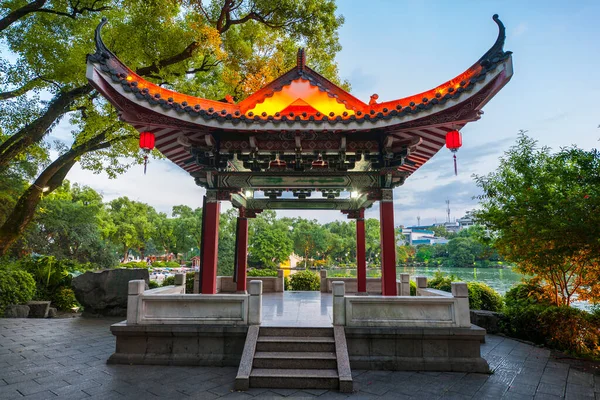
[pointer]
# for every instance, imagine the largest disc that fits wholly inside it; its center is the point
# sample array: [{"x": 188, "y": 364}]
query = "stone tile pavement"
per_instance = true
[{"x": 65, "y": 359}]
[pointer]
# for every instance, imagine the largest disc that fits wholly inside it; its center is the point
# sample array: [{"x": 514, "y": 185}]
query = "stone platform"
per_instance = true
[{"x": 66, "y": 359}]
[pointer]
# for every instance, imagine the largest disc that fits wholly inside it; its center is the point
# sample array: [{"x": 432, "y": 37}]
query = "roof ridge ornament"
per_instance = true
[
  {"x": 497, "y": 49},
  {"x": 301, "y": 60},
  {"x": 102, "y": 52}
]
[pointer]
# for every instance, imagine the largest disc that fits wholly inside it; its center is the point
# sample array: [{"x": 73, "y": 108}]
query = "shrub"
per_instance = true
[
  {"x": 527, "y": 293},
  {"x": 305, "y": 280},
  {"x": 134, "y": 264},
  {"x": 64, "y": 298},
  {"x": 413, "y": 288},
  {"x": 286, "y": 283},
  {"x": 189, "y": 282},
  {"x": 49, "y": 274},
  {"x": 169, "y": 281},
  {"x": 16, "y": 287},
  {"x": 563, "y": 328},
  {"x": 483, "y": 297},
  {"x": 153, "y": 284},
  {"x": 262, "y": 272}
]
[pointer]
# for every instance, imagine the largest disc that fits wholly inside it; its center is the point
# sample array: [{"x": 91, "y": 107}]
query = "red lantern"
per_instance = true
[
  {"x": 454, "y": 142},
  {"x": 147, "y": 140}
]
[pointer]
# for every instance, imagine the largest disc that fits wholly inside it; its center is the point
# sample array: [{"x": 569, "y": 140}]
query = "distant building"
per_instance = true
[
  {"x": 467, "y": 221},
  {"x": 421, "y": 235}
]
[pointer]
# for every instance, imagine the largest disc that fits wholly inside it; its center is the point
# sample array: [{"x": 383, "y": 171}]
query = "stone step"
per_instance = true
[
  {"x": 296, "y": 331},
  {"x": 295, "y": 360},
  {"x": 295, "y": 343},
  {"x": 294, "y": 378}
]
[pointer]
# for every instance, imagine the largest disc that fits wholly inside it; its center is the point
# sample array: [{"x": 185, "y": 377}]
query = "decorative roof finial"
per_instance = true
[
  {"x": 497, "y": 50},
  {"x": 102, "y": 53},
  {"x": 301, "y": 60}
]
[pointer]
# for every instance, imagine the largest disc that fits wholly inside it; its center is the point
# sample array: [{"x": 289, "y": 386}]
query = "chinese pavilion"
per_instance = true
[{"x": 301, "y": 134}]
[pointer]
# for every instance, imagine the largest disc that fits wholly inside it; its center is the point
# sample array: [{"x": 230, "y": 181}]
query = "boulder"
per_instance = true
[
  {"x": 105, "y": 292},
  {"x": 38, "y": 309},
  {"x": 16, "y": 311},
  {"x": 487, "y": 320},
  {"x": 52, "y": 312}
]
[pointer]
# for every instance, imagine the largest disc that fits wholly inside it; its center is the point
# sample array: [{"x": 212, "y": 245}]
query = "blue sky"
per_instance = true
[{"x": 398, "y": 48}]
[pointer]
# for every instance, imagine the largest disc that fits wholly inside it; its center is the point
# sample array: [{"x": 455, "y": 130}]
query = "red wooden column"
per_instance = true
[
  {"x": 361, "y": 261},
  {"x": 388, "y": 243},
  {"x": 242, "y": 249},
  {"x": 210, "y": 242}
]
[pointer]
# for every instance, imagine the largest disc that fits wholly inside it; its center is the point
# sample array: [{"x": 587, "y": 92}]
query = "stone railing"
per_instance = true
[
  {"x": 170, "y": 305},
  {"x": 373, "y": 284},
  {"x": 271, "y": 284},
  {"x": 430, "y": 308}
]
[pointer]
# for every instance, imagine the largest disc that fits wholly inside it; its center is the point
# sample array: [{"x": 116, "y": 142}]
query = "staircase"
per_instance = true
[{"x": 299, "y": 358}]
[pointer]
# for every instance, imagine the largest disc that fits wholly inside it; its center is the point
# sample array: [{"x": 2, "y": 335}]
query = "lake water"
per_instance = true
[{"x": 500, "y": 279}]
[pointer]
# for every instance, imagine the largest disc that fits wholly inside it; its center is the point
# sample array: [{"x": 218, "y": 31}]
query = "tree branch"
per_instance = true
[{"x": 22, "y": 90}]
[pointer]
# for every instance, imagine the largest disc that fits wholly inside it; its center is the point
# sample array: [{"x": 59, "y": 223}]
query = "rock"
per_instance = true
[
  {"x": 38, "y": 309},
  {"x": 16, "y": 311},
  {"x": 105, "y": 292},
  {"x": 487, "y": 320},
  {"x": 52, "y": 312}
]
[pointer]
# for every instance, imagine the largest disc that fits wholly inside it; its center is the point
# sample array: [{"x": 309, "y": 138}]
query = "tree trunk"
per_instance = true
[
  {"x": 34, "y": 132},
  {"x": 126, "y": 256},
  {"x": 21, "y": 12}
]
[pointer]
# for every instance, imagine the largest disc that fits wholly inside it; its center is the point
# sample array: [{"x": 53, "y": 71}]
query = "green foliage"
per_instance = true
[
  {"x": 169, "y": 281},
  {"x": 286, "y": 283},
  {"x": 189, "y": 282},
  {"x": 64, "y": 298},
  {"x": 305, "y": 280},
  {"x": 49, "y": 274},
  {"x": 153, "y": 284},
  {"x": 542, "y": 208},
  {"x": 134, "y": 264},
  {"x": 165, "y": 264},
  {"x": 16, "y": 287},
  {"x": 262, "y": 272},
  {"x": 483, "y": 297},
  {"x": 269, "y": 240},
  {"x": 560, "y": 327},
  {"x": 413, "y": 288},
  {"x": 530, "y": 292}
]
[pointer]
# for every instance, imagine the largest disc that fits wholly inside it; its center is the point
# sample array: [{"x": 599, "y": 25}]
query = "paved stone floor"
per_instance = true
[
  {"x": 65, "y": 358},
  {"x": 297, "y": 309}
]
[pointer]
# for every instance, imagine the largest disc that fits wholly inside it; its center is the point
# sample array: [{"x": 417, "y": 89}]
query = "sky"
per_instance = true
[{"x": 399, "y": 48}]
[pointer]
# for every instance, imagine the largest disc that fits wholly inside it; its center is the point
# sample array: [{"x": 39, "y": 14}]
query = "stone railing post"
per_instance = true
[
  {"x": 404, "y": 285},
  {"x": 421, "y": 284},
  {"x": 323, "y": 274},
  {"x": 460, "y": 292},
  {"x": 135, "y": 290},
  {"x": 280, "y": 284},
  {"x": 339, "y": 303},
  {"x": 255, "y": 303},
  {"x": 180, "y": 281}
]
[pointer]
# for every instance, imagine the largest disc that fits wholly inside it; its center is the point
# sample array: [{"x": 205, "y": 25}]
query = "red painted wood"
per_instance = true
[
  {"x": 388, "y": 248},
  {"x": 242, "y": 251},
  {"x": 361, "y": 262},
  {"x": 210, "y": 248}
]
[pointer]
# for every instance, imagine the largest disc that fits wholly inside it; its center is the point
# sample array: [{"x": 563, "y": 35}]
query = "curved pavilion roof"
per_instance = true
[{"x": 300, "y": 102}]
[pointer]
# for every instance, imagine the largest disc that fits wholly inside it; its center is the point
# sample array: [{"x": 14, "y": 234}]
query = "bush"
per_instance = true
[
  {"x": 483, "y": 297},
  {"x": 189, "y": 282},
  {"x": 262, "y": 272},
  {"x": 169, "y": 281},
  {"x": 286, "y": 283},
  {"x": 134, "y": 264},
  {"x": 16, "y": 287},
  {"x": 153, "y": 284},
  {"x": 49, "y": 274},
  {"x": 305, "y": 280},
  {"x": 413, "y": 288},
  {"x": 527, "y": 293},
  {"x": 563, "y": 328},
  {"x": 64, "y": 298}
]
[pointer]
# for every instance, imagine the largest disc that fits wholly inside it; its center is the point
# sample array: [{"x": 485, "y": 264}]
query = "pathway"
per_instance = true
[{"x": 65, "y": 358}]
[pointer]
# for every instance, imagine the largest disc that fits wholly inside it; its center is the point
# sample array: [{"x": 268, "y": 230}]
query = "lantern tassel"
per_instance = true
[
  {"x": 146, "y": 162},
  {"x": 455, "y": 169}
]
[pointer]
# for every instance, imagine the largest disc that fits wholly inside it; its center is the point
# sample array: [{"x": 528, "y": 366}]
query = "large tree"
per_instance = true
[
  {"x": 208, "y": 49},
  {"x": 545, "y": 210}
]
